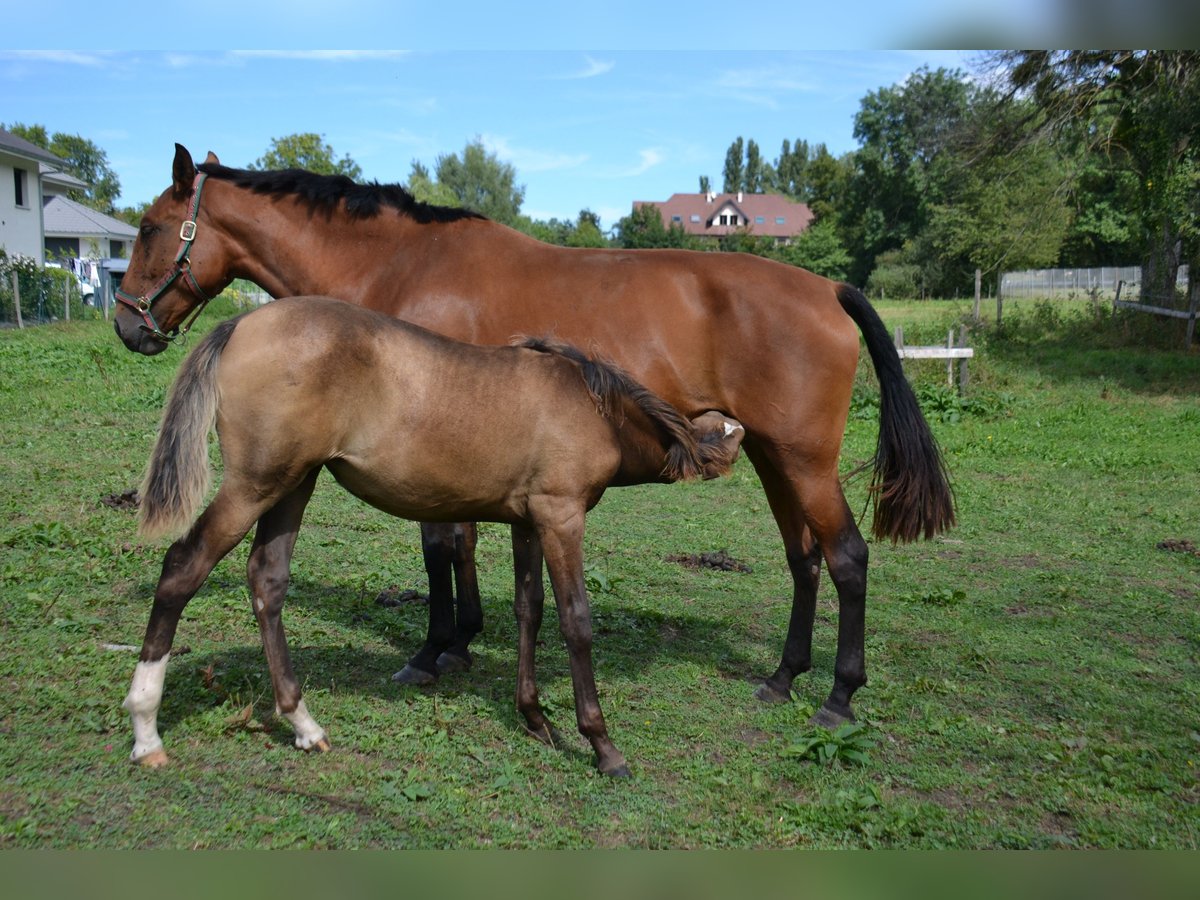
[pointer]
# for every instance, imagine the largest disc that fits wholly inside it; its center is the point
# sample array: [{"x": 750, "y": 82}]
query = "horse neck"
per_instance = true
[{"x": 289, "y": 250}]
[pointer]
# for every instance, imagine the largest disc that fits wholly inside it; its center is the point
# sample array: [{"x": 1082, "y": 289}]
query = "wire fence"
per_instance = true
[
  {"x": 36, "y": 296},
  {"x": 1100, "y": 283}
]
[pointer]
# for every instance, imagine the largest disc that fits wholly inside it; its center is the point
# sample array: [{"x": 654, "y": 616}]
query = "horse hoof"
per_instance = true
[
  {"x": 412, "y": 675},
  {"x": 547, "y": 734},
  {"x": 452, "y": 662},
  {"x": 768, "y": 694},
  {"x": 618, "y": 771},
  {"x": 321, "y": 746},
  {"x": 155, "y": 759},
  {"x": 830, "y": 718}
]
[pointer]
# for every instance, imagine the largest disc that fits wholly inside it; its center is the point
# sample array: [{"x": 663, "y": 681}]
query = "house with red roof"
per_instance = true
[{"x": 713, "y": 215}]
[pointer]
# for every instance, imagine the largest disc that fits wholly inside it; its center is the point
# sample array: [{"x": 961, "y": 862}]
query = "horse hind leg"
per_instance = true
[
  {"x": 468, "y": 605},
  {"x": 268, "y": 575},
  {"x": 187, "y": 564},
  {"x": 814, "y": 521}
]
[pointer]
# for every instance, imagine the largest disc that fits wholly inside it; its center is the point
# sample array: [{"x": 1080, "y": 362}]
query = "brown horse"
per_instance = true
[
  {"x": 538, "y": 433},
  {"x": 774, "y": 346}
]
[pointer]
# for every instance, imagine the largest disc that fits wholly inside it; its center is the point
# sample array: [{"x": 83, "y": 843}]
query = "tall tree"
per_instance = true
[
  {"x": 755, "y": 176},
  {"x": 1143, "y": 107},
  {"x": 735, "y": 172},
  {"x": 900, "y": 166},
  {"x": 307, "y": 150},
  {"x": 481, "y": 182},
  {"x": 84, "y": 160}
]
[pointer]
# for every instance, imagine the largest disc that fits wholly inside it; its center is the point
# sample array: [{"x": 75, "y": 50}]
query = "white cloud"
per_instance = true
[
  {"x": 57, "y": 57},
  {"x": 525, "y": 159},
  {"x": 592, "y": 69}
]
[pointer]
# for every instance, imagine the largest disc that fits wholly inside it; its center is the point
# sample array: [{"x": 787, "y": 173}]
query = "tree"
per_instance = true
[
  {"x": 306, "y": 151},
  {"x": 586, "y": 232},
  {"x": 424, "y": 188},
  {"x": 705, "y": 184},
  {"x": 1141, "y": 106},
  {"x": 755, "y": 176},
  {"x": 644, "y": 229},
  {"x": 84, "y": 160},
  {"x": 734, "y": 171},
  {"x": 791, "y": 170},
  {"x": 818, "y": 249},
  {"x": 478, "y": 181},
  {"x": 900, "y": 167}
]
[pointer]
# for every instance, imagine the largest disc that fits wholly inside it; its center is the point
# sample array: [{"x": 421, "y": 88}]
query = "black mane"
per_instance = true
[{"x": 362, "y": 201}]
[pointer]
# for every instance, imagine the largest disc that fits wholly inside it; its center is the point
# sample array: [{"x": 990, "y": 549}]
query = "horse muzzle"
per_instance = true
[{"x": 137, "y": 338}]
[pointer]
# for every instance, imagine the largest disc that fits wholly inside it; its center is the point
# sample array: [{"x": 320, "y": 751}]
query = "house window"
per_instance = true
[
  {"x": 724, "y": 219},
  {"x": 779, "y": 220},
  {"x": 20, "y": 187},
  {"x": 677, "y": 219},
  {"x": 695, "y": 217},
  {"x": 760, "y": 220},
  {"x": 116, "y": 248}
]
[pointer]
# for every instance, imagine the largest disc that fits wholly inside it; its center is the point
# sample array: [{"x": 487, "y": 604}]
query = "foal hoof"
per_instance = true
[
  {"x": 155, "y": 759},
  {"x": 451, "y": 662},
  {"x": 547, "y": 734},
  {"x": 826, "y": 717},
  {"x": 412, "y": 675},
  {"x": 321, "y": 746},
  {"x": 768, "y": 694}
]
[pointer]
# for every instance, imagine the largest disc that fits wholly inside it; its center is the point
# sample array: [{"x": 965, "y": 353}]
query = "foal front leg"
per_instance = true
[
  {"x": 562, "y": 544},
  {"x": 528, "y": 603},
  {"x": 268, "y": 574}
]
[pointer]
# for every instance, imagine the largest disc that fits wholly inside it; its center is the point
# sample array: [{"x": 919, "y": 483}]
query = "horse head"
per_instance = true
[{"x": 174, "y": 268}]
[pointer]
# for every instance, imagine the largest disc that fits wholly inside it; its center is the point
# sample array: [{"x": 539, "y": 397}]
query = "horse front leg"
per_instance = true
[
  {"x": 437, "y": 548},
  {"x": 268, "y": 575},
  {"x": 561, "y": 535},
  {"x": 468, "y": 605},
  {"x": 187, "y": 564}
]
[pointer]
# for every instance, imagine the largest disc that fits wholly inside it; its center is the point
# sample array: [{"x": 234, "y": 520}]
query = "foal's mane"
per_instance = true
[
  {"x": 325, "y": 192},
  {"x": 610, "y": 387}
]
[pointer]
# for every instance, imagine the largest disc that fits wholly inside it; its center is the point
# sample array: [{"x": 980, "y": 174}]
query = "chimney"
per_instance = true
[{"x": 739, "y": 196}]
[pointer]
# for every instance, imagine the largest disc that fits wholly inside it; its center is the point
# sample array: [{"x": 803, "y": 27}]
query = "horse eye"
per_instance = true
[{"x": 148, "y": 230}]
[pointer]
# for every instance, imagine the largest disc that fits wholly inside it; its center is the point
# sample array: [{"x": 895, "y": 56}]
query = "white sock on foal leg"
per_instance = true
[
  {"x": 308, "y": 733},
  {"x": 142, "y": 702}
]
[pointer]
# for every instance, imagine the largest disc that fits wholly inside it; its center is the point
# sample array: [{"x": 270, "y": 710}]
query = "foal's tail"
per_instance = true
[
  {"x": 910, "y": 485},
  {"x": 178, "y": 476}
]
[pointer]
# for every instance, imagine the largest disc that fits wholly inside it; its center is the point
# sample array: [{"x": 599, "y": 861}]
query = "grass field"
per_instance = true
[{"x": 1033, "y": 674}]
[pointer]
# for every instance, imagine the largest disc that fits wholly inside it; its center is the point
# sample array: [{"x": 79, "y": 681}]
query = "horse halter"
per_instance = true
[{"x": 182, "y": 267}]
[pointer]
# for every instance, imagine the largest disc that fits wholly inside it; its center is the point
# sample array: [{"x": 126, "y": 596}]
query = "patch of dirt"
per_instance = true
[
  {"x": 720, "y": 560},
  {"x": 125, "y": 500},
  {"x": 1174, "y": 545},
  {"x": 395, "y": 596}
]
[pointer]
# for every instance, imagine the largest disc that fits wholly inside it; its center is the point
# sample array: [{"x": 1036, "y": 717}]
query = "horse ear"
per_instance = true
[
  {"x": 212, "y": 158},
  {"x": 183, "y": 170}
]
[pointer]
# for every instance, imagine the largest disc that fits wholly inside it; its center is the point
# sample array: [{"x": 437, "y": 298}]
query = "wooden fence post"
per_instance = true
[
  {"x": 962, "y": 363},
  {"x": 978, "y": 281},
  {"x": 17, "y": 298},
  {"x": 67, "y": 299}
]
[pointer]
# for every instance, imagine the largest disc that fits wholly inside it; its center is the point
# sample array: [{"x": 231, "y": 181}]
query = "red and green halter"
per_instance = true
[{"x": 182, "y": 268}]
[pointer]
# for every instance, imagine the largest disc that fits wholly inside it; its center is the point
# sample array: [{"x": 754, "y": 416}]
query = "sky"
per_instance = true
[
  {"x": 595, "y": 130},
  {"x": 596, "y": 105}
]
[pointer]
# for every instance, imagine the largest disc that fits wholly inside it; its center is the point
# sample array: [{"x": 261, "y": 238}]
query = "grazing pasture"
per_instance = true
[{"x": 1033, "y": 673}]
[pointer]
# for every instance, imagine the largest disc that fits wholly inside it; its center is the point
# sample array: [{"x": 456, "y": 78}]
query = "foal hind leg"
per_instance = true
[
  {"x": 186, "y": 565},
  {"x": 268, "y": 574}
]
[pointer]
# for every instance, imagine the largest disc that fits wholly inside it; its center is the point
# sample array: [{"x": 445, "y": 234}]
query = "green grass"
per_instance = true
[{"x": 1033, "y": 674}]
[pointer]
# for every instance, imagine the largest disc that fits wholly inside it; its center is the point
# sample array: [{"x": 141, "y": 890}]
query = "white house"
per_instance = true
[{"x": 21, "y": 229}]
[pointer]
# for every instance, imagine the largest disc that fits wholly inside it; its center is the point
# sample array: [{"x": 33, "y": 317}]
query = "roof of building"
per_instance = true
[
  {"x": 769, "y": 215},
  {"x": 55, "y": 179},
  {"x": 21, "y": 147},
  {"x": 66, "y": 217}
]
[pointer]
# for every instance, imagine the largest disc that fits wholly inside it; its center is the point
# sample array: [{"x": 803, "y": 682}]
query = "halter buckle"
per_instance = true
[
  {"x": 187, "y": 231},
  {"x": 143, "y": 305}
]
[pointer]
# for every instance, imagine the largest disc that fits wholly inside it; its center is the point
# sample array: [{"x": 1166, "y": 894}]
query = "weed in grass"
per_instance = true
[{"x": 849, "y": 743}]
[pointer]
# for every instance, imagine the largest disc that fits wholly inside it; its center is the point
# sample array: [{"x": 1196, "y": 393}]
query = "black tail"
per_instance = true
[{"x": 910, "y": 486}]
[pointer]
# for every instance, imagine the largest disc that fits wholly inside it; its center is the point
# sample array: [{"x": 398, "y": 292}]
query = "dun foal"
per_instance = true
[{"x": 419, "y": 426}]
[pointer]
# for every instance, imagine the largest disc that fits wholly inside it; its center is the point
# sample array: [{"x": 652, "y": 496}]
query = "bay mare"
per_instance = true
[
  {"x": 771, "y": 345},
  {"x": 419, "y": 426}
]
